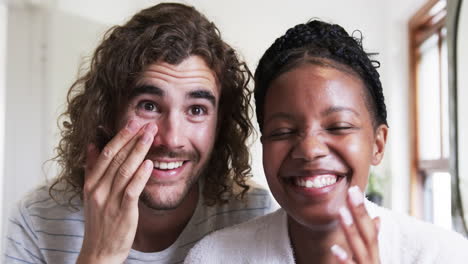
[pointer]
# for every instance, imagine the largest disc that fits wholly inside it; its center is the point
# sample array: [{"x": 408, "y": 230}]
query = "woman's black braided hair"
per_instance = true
[{"x": 324, "y": 44}]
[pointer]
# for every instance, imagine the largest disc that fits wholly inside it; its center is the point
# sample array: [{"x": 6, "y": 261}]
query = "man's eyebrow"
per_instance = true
[
  {"x": 147, "y": 89},
  {"x": 335, "y": 109},
  {"x": 203, "y": 94}
]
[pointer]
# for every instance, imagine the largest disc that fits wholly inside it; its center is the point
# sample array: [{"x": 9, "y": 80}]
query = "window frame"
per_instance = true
[{"x": 422, "y": 26}]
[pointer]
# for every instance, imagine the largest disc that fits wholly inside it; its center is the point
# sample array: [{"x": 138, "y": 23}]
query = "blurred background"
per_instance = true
[{"x": 44, "y": 43}]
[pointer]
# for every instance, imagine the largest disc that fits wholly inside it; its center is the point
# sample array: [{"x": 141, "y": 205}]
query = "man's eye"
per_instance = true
[
  {"x": 197, "y": 110},
  {"x": 148, "y": 106}
]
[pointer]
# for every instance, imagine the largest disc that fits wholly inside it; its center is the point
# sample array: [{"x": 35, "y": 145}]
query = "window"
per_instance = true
[{"x": 430, "y": 177}]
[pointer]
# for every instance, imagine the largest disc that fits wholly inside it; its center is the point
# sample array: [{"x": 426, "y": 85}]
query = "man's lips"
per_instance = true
[
  {"x": 168, "y": 165},
  {"x": 168, "y": 171}
]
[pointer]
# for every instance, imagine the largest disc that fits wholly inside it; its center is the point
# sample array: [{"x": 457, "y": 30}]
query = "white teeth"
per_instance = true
[
  {"x": 167, "y": 165},
  {"x": 317, "y": 182}
]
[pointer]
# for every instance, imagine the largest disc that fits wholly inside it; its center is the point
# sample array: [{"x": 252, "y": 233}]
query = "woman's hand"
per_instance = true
[
  {"x": 114, "y": 180},
  {"x": 360, "y": 230}
]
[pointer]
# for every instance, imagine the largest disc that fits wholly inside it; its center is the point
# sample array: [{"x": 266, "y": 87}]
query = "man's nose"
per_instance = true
[
  {"x": 170, "y": 131},
  {"x": 310, "y": 147}
]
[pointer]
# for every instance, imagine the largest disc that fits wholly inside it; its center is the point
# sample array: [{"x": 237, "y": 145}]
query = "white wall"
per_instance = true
[
  {"x": 47, "y": 41},
  {"x": 3, "y": 40},
  {"x": 24, "y": 125},
  {"x": 44, "y": 50}
]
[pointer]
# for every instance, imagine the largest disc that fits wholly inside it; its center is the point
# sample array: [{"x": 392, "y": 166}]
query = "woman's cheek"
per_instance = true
[
  {"x": 353, "y": 146},
  {"x": 358, "y": 156},
  {"x": 273, "y": 157}
]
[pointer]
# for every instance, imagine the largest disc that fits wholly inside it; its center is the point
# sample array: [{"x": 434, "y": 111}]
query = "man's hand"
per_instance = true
[
  {"x": 360, "y": 230},
  {"x": 114, "y": 180}
]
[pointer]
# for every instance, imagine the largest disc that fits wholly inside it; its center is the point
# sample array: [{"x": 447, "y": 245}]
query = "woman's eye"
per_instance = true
[
  {"x": 197, "y": 110},
  {"x": 281, "y": 133},
  {"x": 340, "y": 128},
  {"x": 148, "y": 106}
]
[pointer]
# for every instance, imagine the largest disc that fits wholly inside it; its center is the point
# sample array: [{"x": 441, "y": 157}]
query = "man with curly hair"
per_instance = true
[{"x": 153, "y": 150}]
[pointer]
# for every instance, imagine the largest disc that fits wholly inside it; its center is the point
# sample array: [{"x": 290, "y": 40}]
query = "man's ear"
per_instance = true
[{"x": 380, "y": 140}]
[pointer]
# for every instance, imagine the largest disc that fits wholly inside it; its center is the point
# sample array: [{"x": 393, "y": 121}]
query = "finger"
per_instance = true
[
  {"x": 136, "y": 185},
  {"x": 364, "y": 224},
  {"x": 105, "y": 182},
  {"x": 355, "y": 242},
  {"x": 132, "y": 163},
  {"x": 96, "y": 192},
  {"x": 118, "y": 168},
  {"x": 110, "y": 150}
]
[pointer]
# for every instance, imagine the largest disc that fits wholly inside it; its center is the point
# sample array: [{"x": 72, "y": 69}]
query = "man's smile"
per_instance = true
[{"x": 169, "y": 165}]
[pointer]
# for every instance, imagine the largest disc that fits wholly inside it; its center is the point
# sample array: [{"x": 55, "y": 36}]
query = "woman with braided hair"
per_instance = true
[{"x": 323, "y": 120}]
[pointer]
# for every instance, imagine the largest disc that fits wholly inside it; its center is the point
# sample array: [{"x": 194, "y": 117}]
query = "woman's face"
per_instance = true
[{"x": 318, "y": 140}]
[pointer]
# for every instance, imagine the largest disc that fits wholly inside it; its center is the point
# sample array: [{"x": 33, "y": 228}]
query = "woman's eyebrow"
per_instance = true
[
  {"x": 334, "y": 109},
  {"x": 279, "y": 115}
]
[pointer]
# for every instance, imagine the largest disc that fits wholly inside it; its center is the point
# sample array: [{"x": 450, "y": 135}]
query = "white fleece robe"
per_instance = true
[{"x": 402, "y": 239}]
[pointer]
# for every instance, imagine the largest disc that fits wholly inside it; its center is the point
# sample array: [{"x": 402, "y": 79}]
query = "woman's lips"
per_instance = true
[
  {"x": 314, "y": 178},
  {"x": 317, "y": 185}
]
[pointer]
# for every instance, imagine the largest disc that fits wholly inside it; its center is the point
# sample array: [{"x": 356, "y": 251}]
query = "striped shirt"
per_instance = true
[{"x": 42, "y": 231}]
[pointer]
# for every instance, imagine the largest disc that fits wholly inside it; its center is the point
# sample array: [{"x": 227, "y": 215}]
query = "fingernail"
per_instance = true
[
  {"x": 377, "y": 224},
  {"x": 356, "y": 196},
  {"x": 346, "y": 216},
  {"x": 146, "y": 138},
  {"x": 148, "y": 165},
  {"x": 132, "y": 126},
  {"x": 339, "y": 252}
]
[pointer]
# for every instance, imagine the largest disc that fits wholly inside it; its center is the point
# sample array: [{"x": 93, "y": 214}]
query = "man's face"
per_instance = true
[
  {"x": 182, "y": 100},
  {"x": 318, "y": 140}
]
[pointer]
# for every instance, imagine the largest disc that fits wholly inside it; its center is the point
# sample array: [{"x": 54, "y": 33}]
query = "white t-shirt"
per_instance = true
[{"x": 42, "y": 231}]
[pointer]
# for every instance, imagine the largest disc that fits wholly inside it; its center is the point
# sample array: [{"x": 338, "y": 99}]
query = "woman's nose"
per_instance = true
[{"x": 310, "y": 147}]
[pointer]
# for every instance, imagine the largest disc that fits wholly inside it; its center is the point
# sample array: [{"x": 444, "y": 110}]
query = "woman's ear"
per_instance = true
[{"x": 379, "y": 144}]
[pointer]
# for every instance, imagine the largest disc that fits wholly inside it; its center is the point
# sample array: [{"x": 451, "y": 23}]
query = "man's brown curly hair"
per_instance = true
[{"x": 163, "y": 33}]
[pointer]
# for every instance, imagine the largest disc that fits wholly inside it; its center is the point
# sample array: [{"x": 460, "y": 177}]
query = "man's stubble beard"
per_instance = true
[
  {"x": 169, "y": 201},
  {"x": 172, "y": 201}
]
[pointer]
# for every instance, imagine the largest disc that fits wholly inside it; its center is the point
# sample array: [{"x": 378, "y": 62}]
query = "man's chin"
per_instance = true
[
  {"x": 162, "y": 197},
  {"x": 159, "y": 205}
]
